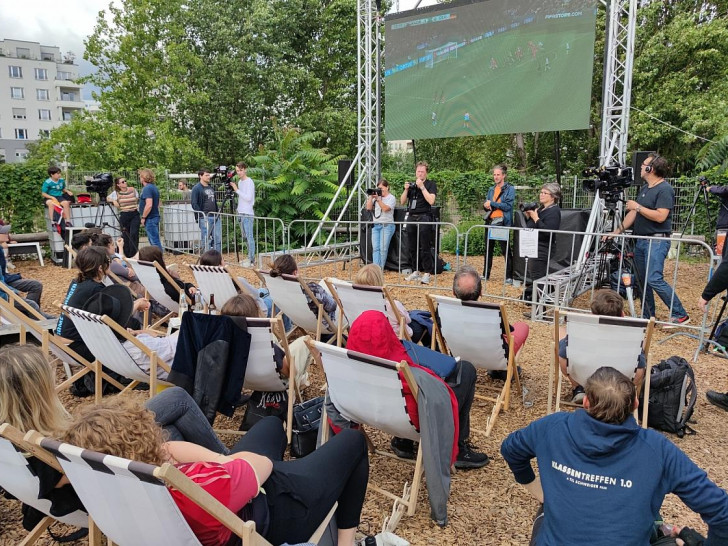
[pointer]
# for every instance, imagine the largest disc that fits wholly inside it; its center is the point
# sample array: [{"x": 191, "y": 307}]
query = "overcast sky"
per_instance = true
[{"x": 66, "y": 23}]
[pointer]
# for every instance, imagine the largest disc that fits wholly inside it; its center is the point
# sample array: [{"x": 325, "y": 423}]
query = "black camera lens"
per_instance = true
[{"x": 525, "y": 207}]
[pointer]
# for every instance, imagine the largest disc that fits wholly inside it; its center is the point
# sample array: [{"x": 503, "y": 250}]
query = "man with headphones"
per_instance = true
[{"x": 651, "y": 215}]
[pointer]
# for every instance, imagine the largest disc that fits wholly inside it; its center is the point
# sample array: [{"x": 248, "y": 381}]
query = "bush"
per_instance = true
[{"x": 20, "y": 200}]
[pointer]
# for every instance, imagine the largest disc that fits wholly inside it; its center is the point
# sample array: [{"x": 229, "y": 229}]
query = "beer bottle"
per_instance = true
[{"x": 212, "y": 308}]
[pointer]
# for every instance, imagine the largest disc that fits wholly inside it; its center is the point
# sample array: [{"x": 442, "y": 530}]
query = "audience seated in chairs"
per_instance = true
[
  {"x": 605, "y": 302},
  {"x": 154, "y": 254},
  {"x": 212, "y": 257},
  {"x": 419, "y": 323},
  {"x": 372, "y": 334},
  {"x": 298, "y": 494},
  {"x": 33, "y": 289},
  {"x": 597, "y": 464},
  {"x": 467, "y": 286}
]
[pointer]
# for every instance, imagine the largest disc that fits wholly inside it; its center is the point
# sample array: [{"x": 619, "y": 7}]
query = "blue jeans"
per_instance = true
[
  {"x": 211, "y": 227},
  {"x": 265, "y": 296},
  {"x": 381, "y": 236},
  {"x": 649, "y": 259},
  {"x": 151, "y": 225},
  {"x": 246, "y": 225}
]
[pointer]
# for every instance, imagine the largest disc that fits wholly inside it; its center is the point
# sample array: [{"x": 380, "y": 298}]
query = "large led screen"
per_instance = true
[{"x": 489, "y": 67}]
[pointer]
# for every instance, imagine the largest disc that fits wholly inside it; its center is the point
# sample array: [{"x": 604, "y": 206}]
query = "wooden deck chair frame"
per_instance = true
[
  {"x": 82, "y": 319},
  {"x": 154, "y": 288},
  {"x": 166, "y": 476},
  {"x": 502, "y": 398},
  {"x": 216, "y": 280},
  {"x": 555, "y": 375},
  {"x": 410, "y": 494},
  {"x": 17, "y": 438},
  {"x": 339, "y": 290},
  {"x": 315, "y": 326}
]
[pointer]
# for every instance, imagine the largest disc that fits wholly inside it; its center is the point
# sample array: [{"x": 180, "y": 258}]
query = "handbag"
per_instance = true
[{"x": 306, "y": 419}]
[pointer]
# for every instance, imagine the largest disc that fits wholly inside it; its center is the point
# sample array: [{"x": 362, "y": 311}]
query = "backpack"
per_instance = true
[
  {"x": 721, "y": 334},
  {"x": 673, "y": 394}
]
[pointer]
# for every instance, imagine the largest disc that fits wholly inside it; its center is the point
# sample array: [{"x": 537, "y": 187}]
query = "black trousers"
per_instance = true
[
  {"x": 506, "y": 251},
  {"x": 130, "y": 222},
  {"x": 419, "y": 243},
  {"x": 462, "y": 382},
  {"x": 301, "y": 492}
]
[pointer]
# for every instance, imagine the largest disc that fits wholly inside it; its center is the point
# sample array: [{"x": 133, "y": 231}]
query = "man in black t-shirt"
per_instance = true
[
  {"x": 203, "y": 200},
  {"x": 651, "y": 215},
  {"x": 420, "y": 196}
]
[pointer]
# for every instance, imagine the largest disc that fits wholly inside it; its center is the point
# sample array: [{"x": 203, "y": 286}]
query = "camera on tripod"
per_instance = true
[
  {"x": 100, "y": 183},
  {"x": 374, "y": 191},
  {"x": 223, "y": 174},
  {"x": 608, "y": 179}
]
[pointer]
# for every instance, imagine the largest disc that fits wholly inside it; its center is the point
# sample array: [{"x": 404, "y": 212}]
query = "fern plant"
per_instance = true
[
  {"x": 294, "y": 180},
  {"x": 714, "y": 154}
]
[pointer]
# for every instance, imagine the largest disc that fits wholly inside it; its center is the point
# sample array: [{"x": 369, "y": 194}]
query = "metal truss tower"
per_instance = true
[
  {"x": 617, "y": 91},
  {"x": 368, "y": 91}
]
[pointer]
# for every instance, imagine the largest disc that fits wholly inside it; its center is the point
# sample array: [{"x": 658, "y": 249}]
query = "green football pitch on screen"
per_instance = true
[{"x": 489, "y": 67}]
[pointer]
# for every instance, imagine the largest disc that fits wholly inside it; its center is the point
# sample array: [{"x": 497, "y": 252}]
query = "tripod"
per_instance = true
[
  {"x": 230, "y": 200},
  {"x": 702, "y": 190}
]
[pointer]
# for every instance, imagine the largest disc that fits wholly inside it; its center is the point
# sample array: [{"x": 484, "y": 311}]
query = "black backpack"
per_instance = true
[{"x": 673, "y": 394}]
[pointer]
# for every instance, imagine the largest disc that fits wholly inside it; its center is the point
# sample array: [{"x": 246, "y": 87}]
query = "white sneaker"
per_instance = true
[
  {"x": 425, "y": 278},
  {"x": 414, "y": 276},
  {"x": 245, "y": 263}
]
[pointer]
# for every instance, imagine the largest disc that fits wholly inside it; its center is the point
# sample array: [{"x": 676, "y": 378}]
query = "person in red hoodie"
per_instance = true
[{"x": 372, "y": 334}]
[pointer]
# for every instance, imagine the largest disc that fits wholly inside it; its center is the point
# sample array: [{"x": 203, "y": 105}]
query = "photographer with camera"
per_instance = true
[
  {"x": 382, "y": 203},
  {"x": 545, "y": 216},
  {"x": 651, "y": 215},
  {"x": 722, "y": 193},
  {"x": 245, "y": 190},
  {"x": 499, "y": 212},
  {"x": 419, "y": 197},
  {"x": 149, "y": 207},
  {"x": 204, "y": 201}
]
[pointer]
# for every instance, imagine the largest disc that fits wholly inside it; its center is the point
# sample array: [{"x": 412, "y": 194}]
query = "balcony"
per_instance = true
[{"x": 70, "y": 85}]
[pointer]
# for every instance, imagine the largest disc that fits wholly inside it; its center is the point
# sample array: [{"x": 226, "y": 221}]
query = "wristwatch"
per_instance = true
[{"x": 638, "y": 209}]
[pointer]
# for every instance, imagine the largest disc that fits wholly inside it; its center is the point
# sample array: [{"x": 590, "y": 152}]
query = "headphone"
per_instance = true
[{"x": 648, "y": 168}]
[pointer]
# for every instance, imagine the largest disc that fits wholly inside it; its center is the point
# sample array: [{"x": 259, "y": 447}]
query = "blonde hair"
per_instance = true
[
  {"x": 121, "y": 427},
  {"x": 147, "y": 175},
  {"x": 28, "y": 399},
  {"x": 370, "y": 275}
]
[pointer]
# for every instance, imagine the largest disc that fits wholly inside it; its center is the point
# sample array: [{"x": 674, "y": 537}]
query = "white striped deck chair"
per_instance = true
[
  {"x": 367, "y": 390},
  {"x": 97, "y": 332},
  {"x": 17, "y": 478},
  {"x": 260, "y": 373},
  {"x": 289, "y": 295},
  {"x": 216, "y": 280},
  {"x": 148, "y": 274},
  {"x": 131, "y": 504},
  {"x": 596, "y": 341},
  {"x": 354, "y": 299},
  {"x": 478, "y": 332}
]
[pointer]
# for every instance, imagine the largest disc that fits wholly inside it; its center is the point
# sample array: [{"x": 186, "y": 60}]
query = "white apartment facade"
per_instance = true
[{"x": 38, "y": 91}]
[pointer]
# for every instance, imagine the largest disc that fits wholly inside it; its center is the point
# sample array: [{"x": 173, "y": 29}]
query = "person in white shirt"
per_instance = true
[
  {"x": 245, "y": 189},
  {"x": 383, "y": 205}
]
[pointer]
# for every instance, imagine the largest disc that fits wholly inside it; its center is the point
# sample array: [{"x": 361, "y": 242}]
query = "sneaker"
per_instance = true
[
  {"x": 245, "y": 263},
  {"x": 676, "y": 322},
  {"x": 509, "y": 281},
  {"x": 469, "y": 458},
  {"x": 425, "y": 278},
  {"x": 414, "y": 276},
  {"x": 403, "y": 448},
  {"x": 577, "y": 395},
  {"x": 718, "y": 399}
]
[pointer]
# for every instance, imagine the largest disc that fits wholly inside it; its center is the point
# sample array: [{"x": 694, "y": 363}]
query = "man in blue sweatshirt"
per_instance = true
[{"x": 598, "y": 465}]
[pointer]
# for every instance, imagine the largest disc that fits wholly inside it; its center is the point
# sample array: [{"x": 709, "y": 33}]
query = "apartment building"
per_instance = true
[{"x": 38, "y": 91}]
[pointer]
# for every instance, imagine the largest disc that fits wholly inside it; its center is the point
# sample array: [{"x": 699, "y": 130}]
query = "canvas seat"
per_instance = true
[
  {"x": 480, "y": 333},
  {"x": 214, "y": 280},
  {"x": 148, "y": 274}
]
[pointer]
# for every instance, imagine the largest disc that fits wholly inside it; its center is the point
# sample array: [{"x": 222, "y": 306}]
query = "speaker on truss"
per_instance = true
[
  {"x": 344, "y": 165},
  {"x": 637, "y": 159}
]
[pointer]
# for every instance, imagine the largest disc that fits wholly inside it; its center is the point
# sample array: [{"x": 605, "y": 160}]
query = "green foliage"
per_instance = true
[
  {"x": 476, "y": 242},
  {"x": 20, "y": 199},
  {"x": 714, "y": 154},
  {"x": 296, "y": 179}
]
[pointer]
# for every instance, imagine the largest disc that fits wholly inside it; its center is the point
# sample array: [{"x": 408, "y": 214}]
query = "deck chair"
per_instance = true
[
  {"x": 596, "y": 341},
  {"x": 18, "y": 479},
  {"x": 148, "y": 274},
  {"x": 354, "y": 299},
  {"x": 478, "y": 332},
  {"x": 131, "y": 504},
  {"x": 261, "y": 374},
  {"x": 215, "y": 280},
  {"x": 289, "y": 295},
  {"x": 98, "y": 333},
  {"x": 367, "y": 390}
]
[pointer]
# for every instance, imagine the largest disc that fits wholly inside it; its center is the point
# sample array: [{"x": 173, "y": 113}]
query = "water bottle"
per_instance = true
[
  {"x": 198, "y": 303},
  {"x": 183, "y": 307}
]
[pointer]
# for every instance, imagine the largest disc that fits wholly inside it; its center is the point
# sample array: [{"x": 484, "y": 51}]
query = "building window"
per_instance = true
[
  {"x": 21, "y": 154},
  {"x": 23, "y": 52},
  {"x": 17, "y": 93},
  {"x": 41, "y": 73},
  {"x": 19, "y": 113},
  {"x": 44, "y": 115},
  {"x": 16, "y": 71},
  {"x": 21, "y": 134},
  {"x": 67, "y": 116},
  {"x": 68, "y": 96},
  {"x": 44, "y": 133},
  {"x": 44, "y": 56},
  {"x": 42, "y": 94},
  {"x": 62, "y": 75}
]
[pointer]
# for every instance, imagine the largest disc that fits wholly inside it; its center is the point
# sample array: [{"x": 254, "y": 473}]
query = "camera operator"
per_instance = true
[
  {"x": 420, "y": 196},
  {"x": 204, "y": 201},
  {"x": 382, "y": 203},
  {"x": 499, "y": 212},
  {"x": 722, "y": 193},
  {"x": 547, "y": 216},
  {"x": 245, "y": 188},
  {"x": 651, "y": 215}
]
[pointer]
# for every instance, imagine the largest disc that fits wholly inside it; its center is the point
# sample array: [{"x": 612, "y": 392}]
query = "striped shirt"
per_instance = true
[{"x": 128, "y": 200}]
